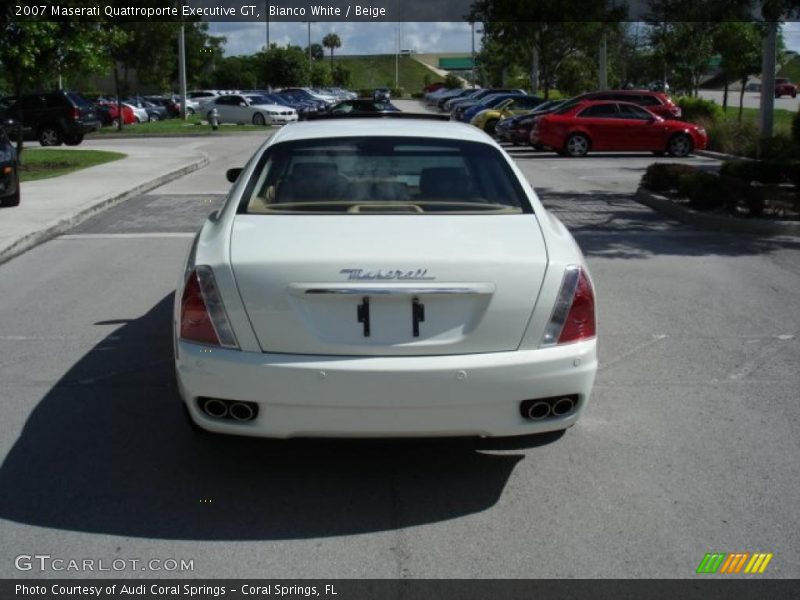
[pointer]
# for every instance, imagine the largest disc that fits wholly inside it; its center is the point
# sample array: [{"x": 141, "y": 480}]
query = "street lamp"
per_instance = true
[{"x": 266, "y": 7}]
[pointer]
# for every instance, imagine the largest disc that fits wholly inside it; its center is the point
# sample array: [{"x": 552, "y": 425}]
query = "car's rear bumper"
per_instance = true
[{"x": 360, "y": 396}]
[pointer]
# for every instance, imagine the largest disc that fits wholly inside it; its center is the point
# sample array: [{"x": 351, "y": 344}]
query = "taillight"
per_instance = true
[
  {"x": 76, "y": 113},
  {"x": 203, "y": 316},
  {"x": 573, "y": 317}
]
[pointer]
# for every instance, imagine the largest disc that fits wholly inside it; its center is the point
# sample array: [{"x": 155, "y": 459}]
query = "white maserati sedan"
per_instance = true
[
  {"x": 383, "y": 277},
  {"x": 246, "y": 109}
]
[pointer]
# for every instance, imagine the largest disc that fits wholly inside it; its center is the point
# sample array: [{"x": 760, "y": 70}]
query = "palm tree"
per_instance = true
[{"x": 332, "y": 41}]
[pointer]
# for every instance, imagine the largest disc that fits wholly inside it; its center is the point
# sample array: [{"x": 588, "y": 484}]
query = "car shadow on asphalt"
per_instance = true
[
  {"x": 614, "y": 225},
  {"x": 108, "y": 450}
]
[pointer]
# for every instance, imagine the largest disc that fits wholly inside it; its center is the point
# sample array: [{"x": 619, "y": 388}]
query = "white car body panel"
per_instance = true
[{"x": 308, "y": 373}]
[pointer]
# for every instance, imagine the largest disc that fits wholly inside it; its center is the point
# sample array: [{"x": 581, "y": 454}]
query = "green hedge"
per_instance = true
[
  {"x": 699, "y": 109},
  {"x": 663, "y": 177},
  {"x": 418, "y": 95}
]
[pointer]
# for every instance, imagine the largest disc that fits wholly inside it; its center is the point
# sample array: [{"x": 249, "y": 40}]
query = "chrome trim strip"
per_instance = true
[{"x": 396, "y": 289}]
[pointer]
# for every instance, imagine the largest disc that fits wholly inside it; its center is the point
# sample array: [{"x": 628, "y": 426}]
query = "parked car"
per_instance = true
[
  {"x": 517, "y": 129},
  {"x": 656, "y": 102},
  {"x": 173, "y": 109},
  {"x": 784, "y": 87},
  {"x": 362, "y": 105},
  {"x": 52, "y": 118},
  {"x": 152, "y": 111},
  {"x": 9, "y": 167},
  {"x": 250, "y": 109},
  {"x": 108, "y": 113},
  {"x": 460, "y": 106},
  {"x": 199, "y": 99},
  {"x": 487, "y": 117},
  {"x": 382, "y": 94},
  {"x": 334, "y": 293},
  {"x": 621, "y": 126}
]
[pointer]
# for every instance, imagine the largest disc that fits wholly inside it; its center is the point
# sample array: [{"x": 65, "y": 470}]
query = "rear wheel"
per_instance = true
[
  {"x": 258, "y": 119},
  {"x": 490, "y": 126},
  {"x": 680, "y": 145},
  {"x": 189, "y": 111},
  {"x": 73, "y": 140},
  {"x": 152, "y": 117},
  {"x": 50, "y": 136},
  {"x": 577, "y": 145}
]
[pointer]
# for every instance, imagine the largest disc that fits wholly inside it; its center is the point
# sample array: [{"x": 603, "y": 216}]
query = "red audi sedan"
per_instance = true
[{"x": 615, "y": 126}]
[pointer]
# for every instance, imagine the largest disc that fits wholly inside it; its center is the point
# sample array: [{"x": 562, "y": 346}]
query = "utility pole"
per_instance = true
[
  {"x": 397, "y": 57},
  {"x": 266, "y": 7},
  {"x": 603, "y": 66},
  {"x": 309, "y": 43},
  {"x": 768, "y": 58},
  {"x": 181, "y": 71},
  {"x": 473, "y": 55}
]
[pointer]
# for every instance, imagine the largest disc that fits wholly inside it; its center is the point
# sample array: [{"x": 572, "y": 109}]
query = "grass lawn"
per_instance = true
[
  {"x": 177, "y": 127},
  {"x": 371, "y": 71},
  {"x": 782, "y": 118},
  {"x": 41, "y": 163}
]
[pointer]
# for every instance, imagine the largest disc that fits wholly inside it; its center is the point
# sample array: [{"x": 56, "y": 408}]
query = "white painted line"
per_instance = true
[{"x": 126, "y": 236}]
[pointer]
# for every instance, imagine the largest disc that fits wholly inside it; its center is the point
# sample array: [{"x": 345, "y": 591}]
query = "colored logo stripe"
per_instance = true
[
  {"x": 725, "y": 563},
  {"x": 758, "y": 563},
  {"x": 711, "y": 562}
]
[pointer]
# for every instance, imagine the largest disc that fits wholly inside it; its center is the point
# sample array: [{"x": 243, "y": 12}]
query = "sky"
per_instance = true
[
  {"x": 357, "y": 38},
  {"x": 378, "y": 38}
]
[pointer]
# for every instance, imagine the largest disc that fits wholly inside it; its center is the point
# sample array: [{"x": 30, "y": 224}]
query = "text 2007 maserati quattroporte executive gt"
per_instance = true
[{"x": 384, "y": 277}]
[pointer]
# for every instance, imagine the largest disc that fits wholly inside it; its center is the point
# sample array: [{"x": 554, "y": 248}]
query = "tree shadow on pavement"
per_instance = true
[
  {"x": 108, "y": 450},
  {"x": 614, "y": 225}
]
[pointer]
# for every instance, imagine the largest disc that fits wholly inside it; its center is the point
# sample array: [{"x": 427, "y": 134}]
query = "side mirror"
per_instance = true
[{"x": 233, "y": 174}]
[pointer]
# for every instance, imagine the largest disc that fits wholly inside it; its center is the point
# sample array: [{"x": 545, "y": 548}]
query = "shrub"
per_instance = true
[
  {"x": 763, "y": 171},
  {"x": 707, "y": 191},
  {"x": 780, "y": 146},
  {"x": 731, "y": 137},
  {"x": 397, "y": 92},
  {"x": 663, "y": 177},
  {"x": 796, "y": 128},
  {"x": 696, "y": 109},
  {"x": 365, "y": 92},
  {"x": 451, "y": 81},
  {"x": 417, "y": 95}
]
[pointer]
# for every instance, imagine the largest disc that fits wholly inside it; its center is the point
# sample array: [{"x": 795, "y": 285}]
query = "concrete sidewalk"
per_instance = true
[{"x": 51, "y": 206}]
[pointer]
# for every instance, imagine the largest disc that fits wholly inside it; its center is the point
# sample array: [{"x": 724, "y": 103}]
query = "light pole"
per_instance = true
[
  {"x": 181, "y": 71},
  {"x": 309, "y": 43},
  {"x": 266, "y": 7},
  {"x": 473, "y": 54}
]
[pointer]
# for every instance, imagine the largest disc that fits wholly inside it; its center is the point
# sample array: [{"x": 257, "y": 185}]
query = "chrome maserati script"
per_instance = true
[{"x": 389, "y": 274}]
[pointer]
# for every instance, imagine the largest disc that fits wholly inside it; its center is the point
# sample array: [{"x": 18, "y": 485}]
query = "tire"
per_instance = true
[
  {"x": 50, "y": 136},
  {"x": 74, "y": 140},
  {"x": 538, "y": 147},
  {"x": 490, "y": 125},
  {"x": 138, "y": 120},
  {"x": 13, "y": 200},
  {"x": 258, "y": 119},
  {"x": 190, "y": 111},
  {"x": 577, "y": 145},
  {"x": 680, "y": 145},
  {"x": 152, "y": 118},
  {"x": 208, "y": 117},
  {"x": 794, "y": 94},
  {"x": 115, "y": 123}
]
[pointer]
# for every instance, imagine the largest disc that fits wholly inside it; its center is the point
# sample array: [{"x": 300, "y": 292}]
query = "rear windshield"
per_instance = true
[{"x": 383, "y": 175}]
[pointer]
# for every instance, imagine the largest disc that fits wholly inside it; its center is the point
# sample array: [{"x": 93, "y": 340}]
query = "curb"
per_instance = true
[
  {"x": 188, "y": 134},
  {"x": 54, "y": 229},
  {"x": 720, "y": 155},
  {"x": 714, "y": 222}
]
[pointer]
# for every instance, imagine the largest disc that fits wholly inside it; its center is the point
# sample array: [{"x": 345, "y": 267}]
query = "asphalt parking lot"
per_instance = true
[{"x": 690, "y": 443}]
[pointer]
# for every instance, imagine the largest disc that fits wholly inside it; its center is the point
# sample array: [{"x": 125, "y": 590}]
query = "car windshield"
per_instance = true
[{"x": 383, "y": 175}]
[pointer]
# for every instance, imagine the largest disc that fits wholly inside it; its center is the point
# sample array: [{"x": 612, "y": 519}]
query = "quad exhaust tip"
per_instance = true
[
  {"x": 539, "y": 409},
  {"x": 217, "y": 408}
]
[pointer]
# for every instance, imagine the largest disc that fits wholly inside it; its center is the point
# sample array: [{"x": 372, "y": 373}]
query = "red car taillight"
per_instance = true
[
  {"x": 573, "y": 317},
  {"x": 203, "y": 316},
  {"x": 76, "y": 113}
]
